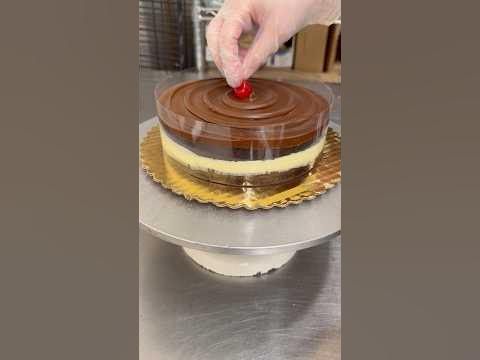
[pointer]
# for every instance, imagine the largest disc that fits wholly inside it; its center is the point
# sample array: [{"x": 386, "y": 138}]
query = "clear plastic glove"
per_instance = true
[{"x": 276, "y": 21}]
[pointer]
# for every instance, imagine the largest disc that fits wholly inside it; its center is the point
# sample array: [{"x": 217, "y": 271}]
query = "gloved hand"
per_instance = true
[{"x": 276, "y": 21}]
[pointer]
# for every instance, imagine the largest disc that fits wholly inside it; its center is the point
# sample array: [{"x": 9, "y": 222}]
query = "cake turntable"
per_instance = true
[{"x": 236, "y": 242}]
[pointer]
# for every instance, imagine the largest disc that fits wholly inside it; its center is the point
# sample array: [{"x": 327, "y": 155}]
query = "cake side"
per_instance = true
[{"x": 303, "y": 158}]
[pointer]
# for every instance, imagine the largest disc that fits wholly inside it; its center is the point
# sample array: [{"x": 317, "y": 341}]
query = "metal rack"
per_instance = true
[
  {"x": 203, "y": 12},
  {"x": 166, "y": 34}
]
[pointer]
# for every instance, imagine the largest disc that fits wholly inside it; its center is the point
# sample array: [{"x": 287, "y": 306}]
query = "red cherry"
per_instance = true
[{"x": 243, "y": 91}]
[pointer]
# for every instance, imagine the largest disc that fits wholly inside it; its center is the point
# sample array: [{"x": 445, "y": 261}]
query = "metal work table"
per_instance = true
[{"x": 189, "y": 313}]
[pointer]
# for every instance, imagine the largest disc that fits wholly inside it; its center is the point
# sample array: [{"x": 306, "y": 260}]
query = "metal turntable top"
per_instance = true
[{"x": 206, "y": 227}]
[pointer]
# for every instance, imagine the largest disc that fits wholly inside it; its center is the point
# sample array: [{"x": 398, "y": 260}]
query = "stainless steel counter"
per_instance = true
[{"x": 189, "y": 313}]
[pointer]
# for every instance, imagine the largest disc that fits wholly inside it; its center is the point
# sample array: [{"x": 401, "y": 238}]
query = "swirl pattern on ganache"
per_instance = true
[{"x": 276, "y": 116}]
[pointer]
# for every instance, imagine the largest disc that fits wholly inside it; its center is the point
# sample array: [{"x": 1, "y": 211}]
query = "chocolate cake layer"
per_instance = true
[
  {"x": 290, "y": 177},
  {"x": 278, "y": 119}
]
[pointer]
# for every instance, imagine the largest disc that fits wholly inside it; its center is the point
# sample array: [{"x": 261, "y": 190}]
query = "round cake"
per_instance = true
[{"x": 272, "y": 137}]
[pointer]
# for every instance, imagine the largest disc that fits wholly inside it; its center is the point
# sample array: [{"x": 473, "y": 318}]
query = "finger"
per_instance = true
[
  {"x": 212, "y": 35},
  {"x": 229, "y": 50}
]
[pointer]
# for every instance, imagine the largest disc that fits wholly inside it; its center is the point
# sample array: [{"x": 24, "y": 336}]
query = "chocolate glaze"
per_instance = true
[{"x": 278, "y": 119}]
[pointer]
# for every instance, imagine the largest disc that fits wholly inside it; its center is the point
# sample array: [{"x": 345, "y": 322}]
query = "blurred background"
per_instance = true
[{"x": 172, "y": 37}]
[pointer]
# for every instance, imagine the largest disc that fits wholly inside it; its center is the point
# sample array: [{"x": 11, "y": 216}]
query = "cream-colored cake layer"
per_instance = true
[{"x": 241, "y": 168}]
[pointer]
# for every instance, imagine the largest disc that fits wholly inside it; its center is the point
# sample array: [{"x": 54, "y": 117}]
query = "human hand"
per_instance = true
[{"x": 276, "y": 21}]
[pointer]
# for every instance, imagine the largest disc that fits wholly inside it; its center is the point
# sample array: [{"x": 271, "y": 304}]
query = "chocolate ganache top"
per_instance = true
[{"x": 276, "y": 116}]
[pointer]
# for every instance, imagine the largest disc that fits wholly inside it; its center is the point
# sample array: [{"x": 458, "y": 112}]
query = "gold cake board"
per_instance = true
[{"x": 325, "y": 174}]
